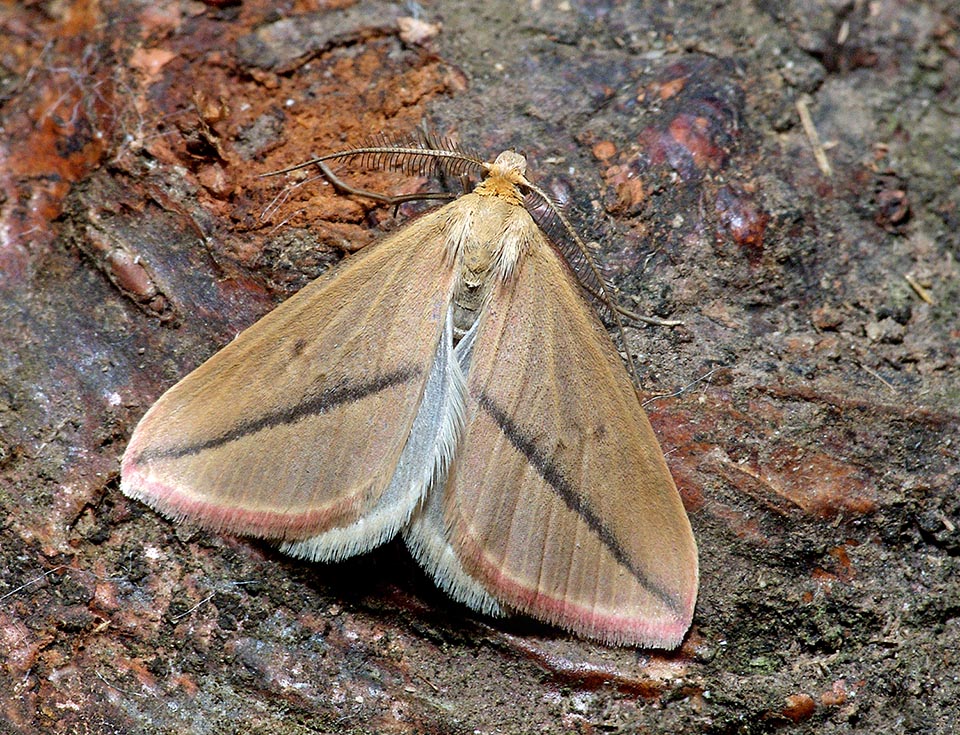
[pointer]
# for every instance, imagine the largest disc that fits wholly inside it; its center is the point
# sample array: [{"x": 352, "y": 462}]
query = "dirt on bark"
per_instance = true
[{"x": 780, "y": 178}]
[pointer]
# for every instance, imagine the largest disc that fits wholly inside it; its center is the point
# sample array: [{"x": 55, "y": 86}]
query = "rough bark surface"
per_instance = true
[{"x": 781, "y": 177}]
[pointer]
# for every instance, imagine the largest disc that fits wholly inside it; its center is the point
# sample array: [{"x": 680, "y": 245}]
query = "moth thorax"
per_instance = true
[{"x": 501, "y": 188}]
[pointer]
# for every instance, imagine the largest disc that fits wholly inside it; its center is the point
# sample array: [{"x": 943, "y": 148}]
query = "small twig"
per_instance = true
[
  {"x": 205, "y": 600},
  {"x": 682, "y": 390},
  {"x": 813, "y": 137},
  {"x": 54, "y": 571},
  {"x": 283, "y": 196},
  {"x": 429, "y": 683},
  {"x": 876, "y": 375},
  {"x": 33, "y": 581},
  {"x": 647, "y": 319},
  {"x": 920, "y": 290},
  {"x": 947, "y": 523},
  {"x": 181, "y": 616},
  {"x": 114, "y": 686}
]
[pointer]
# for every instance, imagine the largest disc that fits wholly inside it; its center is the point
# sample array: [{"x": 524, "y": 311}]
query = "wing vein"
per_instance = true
[
  {"x": 330, "y": 398},
  {"x": 575, "y": 501}
]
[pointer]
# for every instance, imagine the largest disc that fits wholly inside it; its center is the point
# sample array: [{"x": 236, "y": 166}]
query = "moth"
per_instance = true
[{"x": 452, "y": 383}]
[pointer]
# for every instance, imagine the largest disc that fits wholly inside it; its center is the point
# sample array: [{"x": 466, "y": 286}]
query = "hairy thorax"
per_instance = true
[{"x": 490, "y": 232}]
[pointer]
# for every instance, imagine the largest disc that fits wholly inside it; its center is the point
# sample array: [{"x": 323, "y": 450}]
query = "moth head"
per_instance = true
[{"x": 511, "y": 166}]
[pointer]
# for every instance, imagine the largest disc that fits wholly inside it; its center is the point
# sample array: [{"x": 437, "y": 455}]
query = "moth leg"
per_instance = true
[{"x": 393, "y": 201}]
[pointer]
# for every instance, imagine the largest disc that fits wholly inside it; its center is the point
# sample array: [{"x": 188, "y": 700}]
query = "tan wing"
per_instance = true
[
  {"x": 560, "y": 502},
  {"x": 295, "y": 428}
]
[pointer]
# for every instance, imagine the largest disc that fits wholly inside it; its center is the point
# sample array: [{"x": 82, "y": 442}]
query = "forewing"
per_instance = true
[
  {"x": 560, "y": 502},
  {"x": 296, "y": 426}
]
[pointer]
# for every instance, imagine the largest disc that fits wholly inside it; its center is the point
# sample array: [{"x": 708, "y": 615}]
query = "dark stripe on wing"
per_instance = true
[
  {"x": 553, "y": 476},
  {"x": 328, "y": 399}
]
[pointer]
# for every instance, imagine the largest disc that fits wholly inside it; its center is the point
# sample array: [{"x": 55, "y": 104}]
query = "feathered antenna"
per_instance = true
[
  {"x": 544, "y": 214},
  {"x": 427, "y": 154},
  {"x": 591, "y": 279},
  {"x": 422, "y": 154}
]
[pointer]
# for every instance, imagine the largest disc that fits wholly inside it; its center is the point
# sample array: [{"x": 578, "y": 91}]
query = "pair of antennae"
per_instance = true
[{"x": 429, "y": 155}]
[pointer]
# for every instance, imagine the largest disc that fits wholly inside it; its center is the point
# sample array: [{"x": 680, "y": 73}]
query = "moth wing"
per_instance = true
[
  {"x": 294, "y": 430},
  {"x": 560, "y": 503},
  {"x": 426, "y": 534}
]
